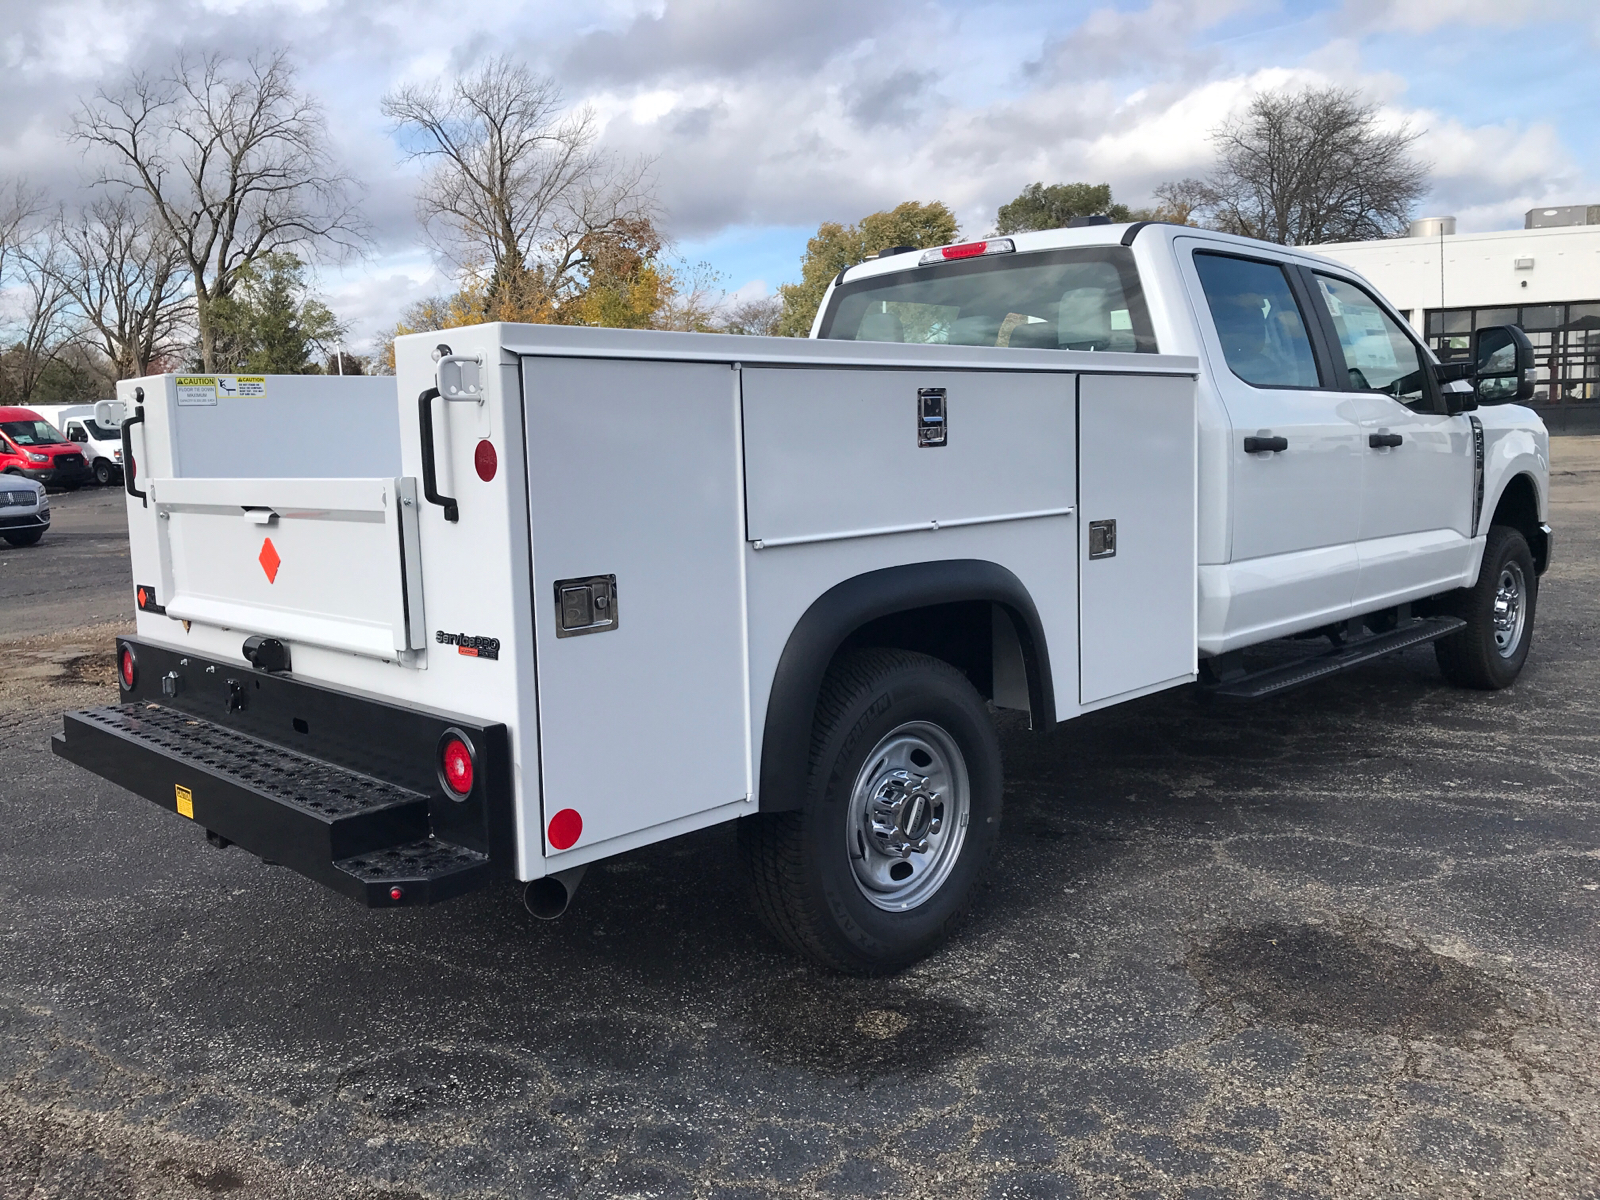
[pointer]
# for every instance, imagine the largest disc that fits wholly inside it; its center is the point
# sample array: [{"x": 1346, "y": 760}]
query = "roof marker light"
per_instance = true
[{"x": 967, "y": 250}]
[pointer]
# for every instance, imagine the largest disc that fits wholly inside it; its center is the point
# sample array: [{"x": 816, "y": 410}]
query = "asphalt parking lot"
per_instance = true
[{"x": 1341, "y": 943}]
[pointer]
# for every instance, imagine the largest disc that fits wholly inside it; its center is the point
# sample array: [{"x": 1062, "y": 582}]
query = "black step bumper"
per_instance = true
[{"x": 388, "y": 842}]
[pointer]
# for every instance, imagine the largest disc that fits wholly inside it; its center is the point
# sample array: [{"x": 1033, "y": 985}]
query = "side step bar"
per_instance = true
[
  {"x": 1256, "y": 684},
  {"x": 362, "y": 836}
]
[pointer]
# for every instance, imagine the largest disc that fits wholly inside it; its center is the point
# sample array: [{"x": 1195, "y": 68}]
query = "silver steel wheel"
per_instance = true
[
  {"x": 908, "y": 816},
  {"x": 1510, "y": 609}
]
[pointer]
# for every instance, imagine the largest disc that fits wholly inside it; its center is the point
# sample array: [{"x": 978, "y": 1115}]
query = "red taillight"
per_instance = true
[
  {"x": 125, "y": 667},
  {"x": 965, "y": 250},
  {"x": 457, "y": 763},
  {"x": 485, "y": 460}
]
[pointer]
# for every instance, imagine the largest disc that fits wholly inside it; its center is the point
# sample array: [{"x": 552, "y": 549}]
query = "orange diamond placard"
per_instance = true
[{"x": 269, "y": 560}]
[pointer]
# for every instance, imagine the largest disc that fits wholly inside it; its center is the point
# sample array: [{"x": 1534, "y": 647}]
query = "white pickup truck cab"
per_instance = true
[{"x": 582, "y": 590}]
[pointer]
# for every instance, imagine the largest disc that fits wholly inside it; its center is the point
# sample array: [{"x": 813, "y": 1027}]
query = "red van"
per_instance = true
[{"x": 31, "y": 446}]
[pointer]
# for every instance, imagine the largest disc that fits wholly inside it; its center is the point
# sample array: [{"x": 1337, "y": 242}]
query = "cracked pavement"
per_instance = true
[{"x": 1340, "y": 943}]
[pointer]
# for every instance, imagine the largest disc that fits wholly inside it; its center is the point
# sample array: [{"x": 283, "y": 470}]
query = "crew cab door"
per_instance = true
[
  {"x": 1295, "y": 511},
  {"x": 1416, "y": 460}
]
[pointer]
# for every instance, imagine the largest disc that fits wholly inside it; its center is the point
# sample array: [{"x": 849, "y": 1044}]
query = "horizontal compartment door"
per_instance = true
[
  {"x": 832, "y": 453},
  {"x": 324, "y": 562}
]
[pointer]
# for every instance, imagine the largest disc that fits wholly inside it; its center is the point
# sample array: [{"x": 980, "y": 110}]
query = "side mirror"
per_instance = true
[{"x": 1502, "y": 365}]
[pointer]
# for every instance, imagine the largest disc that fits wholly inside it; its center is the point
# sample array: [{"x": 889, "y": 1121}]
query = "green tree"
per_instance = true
[
  {"x": 270, "y": 324},
  {"x": 836, "y": 247},
  {"x": 1052, "y": 207}
]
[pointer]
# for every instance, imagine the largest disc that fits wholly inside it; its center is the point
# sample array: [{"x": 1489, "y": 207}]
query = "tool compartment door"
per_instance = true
[
  {"x": 1136, "y": 533},
  {"x": 326, "y": 562},
  {"x": 634, "y": 473}
]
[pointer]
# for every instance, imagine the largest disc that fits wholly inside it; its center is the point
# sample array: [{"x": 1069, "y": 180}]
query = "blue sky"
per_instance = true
[{"x": 765, "y": 118}]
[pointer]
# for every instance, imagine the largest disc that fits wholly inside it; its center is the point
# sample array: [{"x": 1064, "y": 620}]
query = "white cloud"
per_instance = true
[{"x": 762, "y": 115}]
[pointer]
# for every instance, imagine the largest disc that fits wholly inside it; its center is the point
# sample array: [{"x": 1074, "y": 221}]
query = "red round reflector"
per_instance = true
[
  {"x": 485, "y": 459},
  {"x": 395, "y": 893},
  {"x": 566, "y": 827},
  {"x": 458, "y": 766},
  {"x": 125, "y": 667}
]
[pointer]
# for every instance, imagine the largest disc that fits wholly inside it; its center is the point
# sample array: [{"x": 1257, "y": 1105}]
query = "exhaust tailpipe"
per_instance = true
[{"x": 548, "y": 898}]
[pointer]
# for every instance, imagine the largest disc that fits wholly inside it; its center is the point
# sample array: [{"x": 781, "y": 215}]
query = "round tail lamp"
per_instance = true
[
  {"x": 126, "y": 667},
  {"x": 458, "y": 766}
]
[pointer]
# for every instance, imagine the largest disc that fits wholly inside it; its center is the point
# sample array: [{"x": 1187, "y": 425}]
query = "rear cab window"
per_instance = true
[
  {"x": 1084, "y": 298},
  {"x": 1259, "y": 323}
]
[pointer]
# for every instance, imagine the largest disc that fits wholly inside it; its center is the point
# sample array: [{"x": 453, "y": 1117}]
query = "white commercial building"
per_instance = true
[{"x": 1547, "y": 280}]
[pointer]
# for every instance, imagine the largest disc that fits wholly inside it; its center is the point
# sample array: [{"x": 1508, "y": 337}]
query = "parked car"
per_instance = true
[
  {"x": 35, "y": 449},
  {"x": 24, "y": 511},
  {"x": 101, "y": 443}
]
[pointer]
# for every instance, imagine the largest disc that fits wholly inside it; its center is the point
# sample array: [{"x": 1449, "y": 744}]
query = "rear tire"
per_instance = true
[
  {"x": 902, "y": 811},
  {"x": 1499, "y": 610},
  {"x": 28, "y": 537}
]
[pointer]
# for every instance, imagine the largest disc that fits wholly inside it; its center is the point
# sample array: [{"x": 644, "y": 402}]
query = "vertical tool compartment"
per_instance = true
[
  {"x": 1136, "y": 533},
  {"x": 638, "y": 594}
]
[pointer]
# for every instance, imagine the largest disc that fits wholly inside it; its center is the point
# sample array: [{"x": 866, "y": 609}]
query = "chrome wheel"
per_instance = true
[
  {"x": 1510, "y": 609},
  {"x": 908, "y": 816}
]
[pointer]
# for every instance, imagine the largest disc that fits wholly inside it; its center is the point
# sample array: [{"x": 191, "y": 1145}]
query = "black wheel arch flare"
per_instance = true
[{"x": 848, "y": 606}]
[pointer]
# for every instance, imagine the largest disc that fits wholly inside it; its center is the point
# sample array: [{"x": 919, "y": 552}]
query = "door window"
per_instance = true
[
  {"x": 1258, "y": 322},
  {"x": 1378, "y": 356}
]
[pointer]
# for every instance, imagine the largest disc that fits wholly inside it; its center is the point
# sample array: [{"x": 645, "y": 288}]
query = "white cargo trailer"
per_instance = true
[{"x": 575, "y": 591}]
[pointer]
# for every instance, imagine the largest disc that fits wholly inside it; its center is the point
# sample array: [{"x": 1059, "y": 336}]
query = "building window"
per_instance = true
[{"x": 1565, "y": 337}]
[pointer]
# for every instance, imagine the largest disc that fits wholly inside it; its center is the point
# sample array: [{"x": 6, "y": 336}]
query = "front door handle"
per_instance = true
[
  {"x": 1379, "y": 441},
  {"x": 1263, "y": 445}
]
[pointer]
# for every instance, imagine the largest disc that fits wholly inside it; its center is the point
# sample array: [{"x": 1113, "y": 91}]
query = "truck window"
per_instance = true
[
  {"x": 1080, "y": 299},
  {"x": 103, "y": 433},
  {"x": 1260, "y": 326},
  {"x": 1378, "y": 356},
  {"x": 32, "y": 433}
]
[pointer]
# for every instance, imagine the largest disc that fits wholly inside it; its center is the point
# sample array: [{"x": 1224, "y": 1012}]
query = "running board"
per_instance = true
[{"x": 1272, "y": 680}]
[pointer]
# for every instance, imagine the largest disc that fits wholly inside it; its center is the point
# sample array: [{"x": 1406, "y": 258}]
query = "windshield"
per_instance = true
[
  {"x": 103, "y": 433},
  {"x": 1082, "y": 299},
  {"x": 31, "y": 433}
]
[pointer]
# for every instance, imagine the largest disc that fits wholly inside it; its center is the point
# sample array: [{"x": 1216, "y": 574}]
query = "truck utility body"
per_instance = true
[{"x": 573, "y": 591}]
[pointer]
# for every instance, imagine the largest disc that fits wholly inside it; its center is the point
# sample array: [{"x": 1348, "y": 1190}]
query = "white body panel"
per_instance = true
[
  {"x": 1136, "y": 455},
  {"x": 832, "y": 453},
  {"x": 325, "y": 562},
  {"x": 636, "y": 474}
]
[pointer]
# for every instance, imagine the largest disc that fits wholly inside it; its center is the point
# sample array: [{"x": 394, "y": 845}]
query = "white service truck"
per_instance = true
[{"x": 580, "y": 590}]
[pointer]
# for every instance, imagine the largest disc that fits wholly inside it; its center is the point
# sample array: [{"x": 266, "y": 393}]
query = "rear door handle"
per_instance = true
[
  {"x": 1262, "y": 445},
  {"x": 1379, "y": 441}
]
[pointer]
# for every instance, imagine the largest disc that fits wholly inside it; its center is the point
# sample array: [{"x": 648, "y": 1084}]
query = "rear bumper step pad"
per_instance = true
[
  {"x": 361, "y": 836},
  {"x": 1256, "y": 684}
]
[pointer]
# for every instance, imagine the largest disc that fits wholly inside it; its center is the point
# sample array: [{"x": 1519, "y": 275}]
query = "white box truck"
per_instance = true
[{"x": 579, "y": 590}]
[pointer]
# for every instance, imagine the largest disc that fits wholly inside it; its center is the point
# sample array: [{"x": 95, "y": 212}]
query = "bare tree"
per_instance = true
[
  {"x": 19, "y": 205},
  {"x": 127, "y": 277},
  {"x": 235, "y": 162},
  {"x": 1306, "y": 167},
  {"x": 758, "y": 315},
  {"x": 518, "y": 191},
  {"x": 41, "y": 325}
]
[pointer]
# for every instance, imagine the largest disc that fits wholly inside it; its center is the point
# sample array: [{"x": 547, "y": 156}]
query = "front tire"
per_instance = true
[
  {"x": 901, "y": 814},
  {"x": 102, "y": 472},
  {"x": 1499, "y": 609},
  {"x": 28, "y": 537}
]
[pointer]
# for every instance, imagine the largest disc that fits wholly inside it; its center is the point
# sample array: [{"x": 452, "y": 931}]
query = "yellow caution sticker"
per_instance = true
[{"x": 185, "y": 801}]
